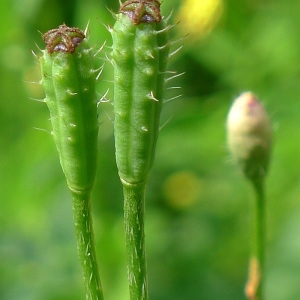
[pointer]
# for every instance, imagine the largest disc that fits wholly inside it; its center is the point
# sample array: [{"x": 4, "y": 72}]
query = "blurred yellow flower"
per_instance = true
[
  {"x": 198, "y": 17},
  {"x": 182, "y": 189}
]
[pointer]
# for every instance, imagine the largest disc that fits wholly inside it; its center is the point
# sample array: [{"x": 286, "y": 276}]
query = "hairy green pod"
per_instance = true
[
  {"x": 68, "y": 79},
  {"x": 140, "y": 55}
]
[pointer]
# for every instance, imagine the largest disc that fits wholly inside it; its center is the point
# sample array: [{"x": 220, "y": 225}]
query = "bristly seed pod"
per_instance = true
[
  {"x": 145, "y": 11},
  {"x": 249, "y": 133},
  {"x": 140, "y": 55},
  {"x": 63, "y": 39},
  {"x": 68, "y": 78}
]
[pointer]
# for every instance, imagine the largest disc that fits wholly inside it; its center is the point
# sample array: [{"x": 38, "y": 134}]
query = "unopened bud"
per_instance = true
[{"x": 249, "y": 135}]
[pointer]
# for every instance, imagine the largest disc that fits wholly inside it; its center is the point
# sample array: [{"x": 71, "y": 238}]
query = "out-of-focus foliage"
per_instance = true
[{"x": 198, "y": 215}]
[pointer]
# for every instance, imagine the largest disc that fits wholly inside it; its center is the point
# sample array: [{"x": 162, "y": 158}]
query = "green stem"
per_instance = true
[
  {"x": 260, "y": 229},
  {"x": 85, "y": 244},
  {"x": 134, "y": 207},
  {"x": 254, "y": 288}
]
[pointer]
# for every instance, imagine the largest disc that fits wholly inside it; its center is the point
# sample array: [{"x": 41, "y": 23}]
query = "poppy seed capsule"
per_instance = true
[
  {"x": 140, "y": 55},
  {"x": 249, "y": 135},
  {"x": 69, "y": 82}
]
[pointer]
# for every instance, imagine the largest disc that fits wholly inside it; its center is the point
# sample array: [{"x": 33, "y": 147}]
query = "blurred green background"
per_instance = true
[{"x": 198, "y": 211}]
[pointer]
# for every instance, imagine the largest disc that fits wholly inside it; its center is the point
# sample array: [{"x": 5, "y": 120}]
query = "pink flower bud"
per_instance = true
[{"x": 249, "y": 135}]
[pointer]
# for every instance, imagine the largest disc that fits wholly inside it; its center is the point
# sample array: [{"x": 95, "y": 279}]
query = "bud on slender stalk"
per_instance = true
[
  {"x": 250, "y": 140},
  {"x": 250, "y": 136}
]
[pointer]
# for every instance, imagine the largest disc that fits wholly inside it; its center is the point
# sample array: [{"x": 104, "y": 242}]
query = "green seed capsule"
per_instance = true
[
  {"x": 140, "y": 54},
  {"x": 68, "y": 79}
]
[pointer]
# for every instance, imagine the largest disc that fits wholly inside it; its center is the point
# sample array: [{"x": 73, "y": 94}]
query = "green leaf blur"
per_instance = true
[{"x": 198, "y": 210}]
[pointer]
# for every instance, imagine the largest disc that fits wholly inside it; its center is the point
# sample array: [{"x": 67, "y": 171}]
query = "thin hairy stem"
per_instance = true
[
  {"x": 134, "y": 207},
  {"x": 85, "y": 245},
  {"x": 254, "y": 287}
]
